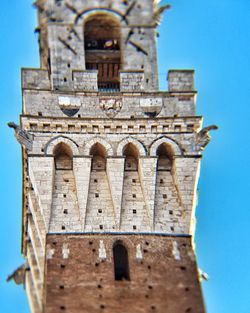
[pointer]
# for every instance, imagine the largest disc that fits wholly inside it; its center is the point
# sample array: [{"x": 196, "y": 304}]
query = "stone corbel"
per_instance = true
[
  {"x": 22, "y": 136},
  {"x": 203, "y": 138}
]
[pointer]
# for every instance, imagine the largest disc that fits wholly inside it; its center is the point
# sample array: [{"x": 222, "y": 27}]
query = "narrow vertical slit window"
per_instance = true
[{"x": 121, "y": 264}]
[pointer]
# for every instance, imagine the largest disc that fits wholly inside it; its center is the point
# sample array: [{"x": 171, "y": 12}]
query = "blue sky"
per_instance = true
[{"x": 212, "y": 37}]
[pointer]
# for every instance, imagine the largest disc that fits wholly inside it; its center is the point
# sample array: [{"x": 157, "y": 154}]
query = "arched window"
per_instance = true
[
  {"x": 121, "y": 266},
  {"x": 131, "y": 157},
  {"x": 99, "y": 157},
  {"x": 102, "y": 49},
  {"x": 165, "y": 158},
  {"x": 63, "y": 157}
]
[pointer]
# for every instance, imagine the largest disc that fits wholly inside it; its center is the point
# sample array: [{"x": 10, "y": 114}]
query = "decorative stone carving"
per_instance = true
[
  {"x": 139, "y": 255},
  {"x": 69, "y": 105},
  {"x": 151, "y": 106},
  {"x": 111, "y": 106},
  {"x": 18, "y": 275},
  {"x": 22, "y": 136},
  {"x": 203, "y": 138},
  {"x": 175, "y": 251},
  {"x": 102, "y": 251}
]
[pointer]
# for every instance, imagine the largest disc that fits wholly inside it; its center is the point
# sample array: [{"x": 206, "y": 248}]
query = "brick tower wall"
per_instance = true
[{"x": 80, "y": 275}]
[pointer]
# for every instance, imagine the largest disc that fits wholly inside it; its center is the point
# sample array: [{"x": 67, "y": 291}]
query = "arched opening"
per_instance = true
[
  {"x": 102, "y": 49},
  {"x": 165, "y": 158},
  {"x": 99, "y": 157},
  {"x": 63, "y": 157},
  {"x": 131, "y": 157},
  {"x": 121, "y": 265}
]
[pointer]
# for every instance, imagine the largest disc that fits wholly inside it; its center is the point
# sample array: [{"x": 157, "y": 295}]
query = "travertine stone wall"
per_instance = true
[
  {"x": 100, "y": 210},
  {"x": 134, "y": 217},
  {"x": 181, "y": 183},
  {"x": 62, "y": 37},
  {"x": 65, "y": 211},
  {"x": 139, "y": 105}
]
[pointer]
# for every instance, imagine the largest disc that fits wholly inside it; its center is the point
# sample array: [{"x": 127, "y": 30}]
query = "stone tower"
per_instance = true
[{"x": 110, "y": 165}]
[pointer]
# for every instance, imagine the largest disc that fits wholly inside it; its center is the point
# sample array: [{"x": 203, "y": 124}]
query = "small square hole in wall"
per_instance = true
[
  {"x": 101, "y": 226},
  {"x": 40, "y": 114},
  {"x": 161, "y": 181},
  {"x": 172, "y": 228},
  {"x": 170, "y": 212},
  {"x": 177, "y": 128},
  {"x": 134, "y": 211},
  {"x": 164, "y": 196},
  {"x": 66, "y": 180},
  {"x": 95, "y": 180},
  {"x": 154, "y": 129},
  {"x": 190, "y": 127},
  {"x": 65, "y": 211},
  {"x": 63, "y": 227},
  {"x": 133, "y": 180},
  {"x": 106, "y": 129},
  {"x": 100, "y": 211},
  {"x": 33, "y": 126},
  {"x": 134, "y": 226},
  {"x": 64, "y": 196},
  {"x": 97, "y": 195},
  {"x": 119, "y": 129},
  {"x": 134, "y": 195},
  {"x": 165, "y": 128}
]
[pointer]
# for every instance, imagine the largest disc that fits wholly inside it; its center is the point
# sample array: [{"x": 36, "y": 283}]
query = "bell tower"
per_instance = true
[{"x": 110, "y": 165}]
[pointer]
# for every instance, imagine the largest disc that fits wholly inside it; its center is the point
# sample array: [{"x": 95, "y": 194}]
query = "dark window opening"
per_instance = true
[
  {"x": 121, "y": 266},
  {"x": 165, "y": 158},
  {"x": 63, "y": 157},
  {"x": 131, "y": 157},
  {"x": 102, "y": 50},
  {"x": 99, "y": 158}
]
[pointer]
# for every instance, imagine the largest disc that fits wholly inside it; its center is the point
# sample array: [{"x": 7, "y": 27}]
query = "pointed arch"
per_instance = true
[
  {"x": 99, "y": 154},
  {"x": 52, "y": 143},
  {"x": 173, "y": 146},
  {"x": 139, "y": 145},
  {"x": 63, "y": 156},
  {"x": 102, "y": 142}
]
